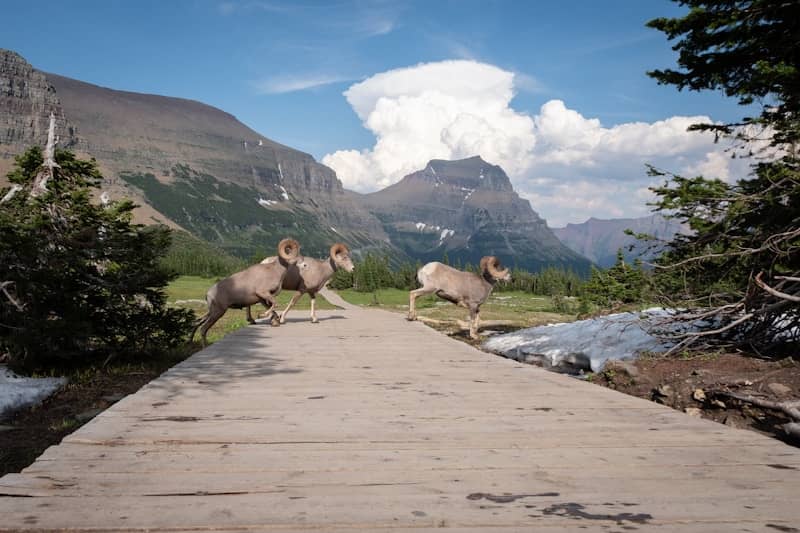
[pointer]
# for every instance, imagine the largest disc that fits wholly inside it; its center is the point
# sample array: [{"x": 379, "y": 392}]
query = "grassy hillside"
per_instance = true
[{"x": 229, "y": 215}]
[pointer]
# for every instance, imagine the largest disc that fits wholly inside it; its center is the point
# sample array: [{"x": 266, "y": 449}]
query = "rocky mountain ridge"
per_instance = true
[
  {"x": 599, "y": 239},
  {"x": 467, "y": 209}
]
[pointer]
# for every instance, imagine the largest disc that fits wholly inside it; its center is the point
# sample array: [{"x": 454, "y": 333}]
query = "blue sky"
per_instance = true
[{"x": 282, "y": 67}]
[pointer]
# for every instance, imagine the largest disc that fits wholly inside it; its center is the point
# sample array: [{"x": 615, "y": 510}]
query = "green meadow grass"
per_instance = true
[{"x": 521, "y": 309}]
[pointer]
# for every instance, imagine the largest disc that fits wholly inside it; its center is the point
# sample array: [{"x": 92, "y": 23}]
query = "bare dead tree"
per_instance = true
[
  {"x": 789, "y": 408},
  {"x": 47, "y": 172}
]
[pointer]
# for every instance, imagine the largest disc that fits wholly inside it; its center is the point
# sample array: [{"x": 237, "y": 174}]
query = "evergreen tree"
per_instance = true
[
  {"x": 85, "y": 281},
  {"x": 741, "y": 264},
  {"x": 621, "y": 284}
]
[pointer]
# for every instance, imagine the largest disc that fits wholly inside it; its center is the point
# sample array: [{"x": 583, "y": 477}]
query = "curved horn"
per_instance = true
[
  {"x": 492, "y": 265},
  {"x": 338, "y": 249},
  {"x": 288, "y": 249}
]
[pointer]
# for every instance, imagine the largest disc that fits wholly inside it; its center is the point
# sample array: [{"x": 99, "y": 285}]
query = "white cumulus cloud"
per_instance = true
[
  {"x": 447, "y": 110},
  {"x": 569, "y": 166}
]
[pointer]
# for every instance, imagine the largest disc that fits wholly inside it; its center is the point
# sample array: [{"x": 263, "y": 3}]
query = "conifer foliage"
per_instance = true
[
  {"x": 80, "y": 280},
  {"x": 739, "y": 269}
]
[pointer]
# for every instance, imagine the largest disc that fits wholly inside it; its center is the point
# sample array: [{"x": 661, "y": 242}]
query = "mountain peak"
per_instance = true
[
  {"x": 469, "y": 209},
  {"x": 470, "y": 173}
]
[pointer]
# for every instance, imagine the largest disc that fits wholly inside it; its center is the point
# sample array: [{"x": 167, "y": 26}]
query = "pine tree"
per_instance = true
[
  {"x": 86, "y": 282},
  {"x": 741, "y": 263}
]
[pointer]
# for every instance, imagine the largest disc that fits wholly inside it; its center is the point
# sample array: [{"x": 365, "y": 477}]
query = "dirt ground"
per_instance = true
[
  {"x": 701, "y": 384},
  {"x": 705, "y": 385},
  {"x": 28, "y": 432}
]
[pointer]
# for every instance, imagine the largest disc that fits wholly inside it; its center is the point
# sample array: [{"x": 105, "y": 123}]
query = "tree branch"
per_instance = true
[
  {"x": 775, "y": 292},
  {"x": 4, "y": 285}
]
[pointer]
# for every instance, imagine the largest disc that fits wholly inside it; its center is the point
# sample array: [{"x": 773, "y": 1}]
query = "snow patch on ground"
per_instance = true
[
  {"x": 284, "y": 193},
  {"x": 334, "y": 230},
  {"x": 445, "y": 234},
  {"x": 17, "y": 392},
  {"x": 584, "y": 344},
  {"x": 421, "y": 226},
  {"x": 266, "y": 203}
]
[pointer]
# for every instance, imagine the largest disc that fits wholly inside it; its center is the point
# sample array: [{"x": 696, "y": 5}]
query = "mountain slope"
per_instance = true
[
  {"x": 599, "y": 239},
  {"x": 468, "y": 209},
  {"x": 190, "y": 165}
]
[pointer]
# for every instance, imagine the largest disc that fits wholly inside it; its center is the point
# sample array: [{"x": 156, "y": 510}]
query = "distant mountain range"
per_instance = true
[
  {"x": 599, "y": 240},
  {"x": 197, "y": 168}
]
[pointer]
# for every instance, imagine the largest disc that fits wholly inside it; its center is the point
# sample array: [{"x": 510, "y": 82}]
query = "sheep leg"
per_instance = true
[
  {"x": 291, "y": 304},
  {"x": 197, "y": 324},
  {"x": 474, "y": 318},
  {"x": 412, "y": 299},
  {"x": 210, "y": 319},
  {"x": 269, "y": 302},
  {"x": 313, "y": 307},
  {"x": 268, "y": 312}
]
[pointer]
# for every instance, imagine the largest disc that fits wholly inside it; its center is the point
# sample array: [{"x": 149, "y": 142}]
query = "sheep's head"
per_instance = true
[
  {"x": 289, "y": 250},
  {"x": 491, "y": 265},
  {"x": 340, "y": 255}
]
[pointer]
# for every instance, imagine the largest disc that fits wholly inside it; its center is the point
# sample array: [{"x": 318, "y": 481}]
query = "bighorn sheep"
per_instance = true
[
  {"x": 461, "y": 288},
  {"x": 312, "y": 277},
  {"x": 257, "y": 284}
]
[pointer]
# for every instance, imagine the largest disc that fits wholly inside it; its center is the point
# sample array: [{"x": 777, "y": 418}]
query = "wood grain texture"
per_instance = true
[{"x": 366, "y": 422}]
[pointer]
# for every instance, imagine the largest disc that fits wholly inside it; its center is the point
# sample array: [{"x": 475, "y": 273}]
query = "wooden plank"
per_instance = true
[
  {"x": 367, "y": 422},
  {"x": 257, "y": 458}
]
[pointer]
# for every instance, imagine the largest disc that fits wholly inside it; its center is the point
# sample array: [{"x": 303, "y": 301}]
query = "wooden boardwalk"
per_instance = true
[{"x": 365, "y": 422}]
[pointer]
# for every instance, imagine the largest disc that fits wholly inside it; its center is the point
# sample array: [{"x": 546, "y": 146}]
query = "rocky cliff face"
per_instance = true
[
  {"x": 189, "y": 165},
  {"x": 467, "y": 209},
  {"x": 599, "y": 239},
  {"x": 26, "y": 100}
]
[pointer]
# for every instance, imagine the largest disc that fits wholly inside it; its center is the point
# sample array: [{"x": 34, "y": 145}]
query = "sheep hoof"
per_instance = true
[
  {"x": 314, "y": 321},
  {"x": 411, "y": 318}
]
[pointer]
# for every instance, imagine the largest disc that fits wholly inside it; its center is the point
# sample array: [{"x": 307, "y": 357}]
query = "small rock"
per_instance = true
[
  {"x": 664, "y": 390},
  {"x": 623, "y": 367},
  {"x": 693, "y": 411},
  {"x": 699, "y": 395},
  {"x": 719, "y": 403},
  {"x": 779, "y": 389}
]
